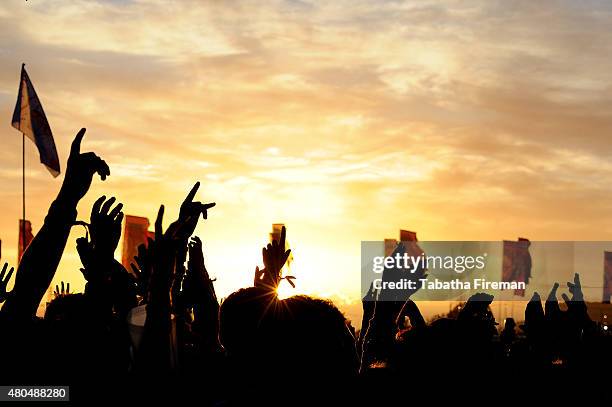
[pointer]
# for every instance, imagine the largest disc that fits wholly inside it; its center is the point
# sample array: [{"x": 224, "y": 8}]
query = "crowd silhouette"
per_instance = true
[{"x": 252, "y": 338}]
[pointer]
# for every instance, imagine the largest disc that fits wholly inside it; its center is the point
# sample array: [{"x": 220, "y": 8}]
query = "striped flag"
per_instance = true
[
  {"x": 516, "y": 264},
  {"x": 29, "y": 118}
]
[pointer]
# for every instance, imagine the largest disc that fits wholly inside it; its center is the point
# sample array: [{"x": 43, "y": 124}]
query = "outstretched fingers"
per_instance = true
[
  {"x": 118, "y": 220},
  {"x": 10, "y": 274},
  {"x": 106, "y": 206},
  {"x": 285, "y": 257},
  {"x": 95, "y": 209},
  {"x": 575, "y": 284},
  {"x": 116, "y": 211},
  {"x": 552, "y": 296},
  {"x": 5, "y": 278}
]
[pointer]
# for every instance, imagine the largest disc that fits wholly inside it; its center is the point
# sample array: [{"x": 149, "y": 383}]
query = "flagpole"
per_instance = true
[{"x": 23, "y": 204}]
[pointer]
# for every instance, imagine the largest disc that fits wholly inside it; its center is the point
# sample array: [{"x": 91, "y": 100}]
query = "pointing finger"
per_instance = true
[
  {"x": 158, "y": 223},
  {"x": 283, "y": 238},
  {"x": 192, "y": 193},
  {"x": 75, "y": 148}
]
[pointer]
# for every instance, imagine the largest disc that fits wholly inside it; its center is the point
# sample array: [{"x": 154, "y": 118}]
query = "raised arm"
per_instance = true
[
  {"x": 274, "y": 258},
  {"x": 155, "y": 355},
  {"x": 200, "y": 292},
  {"x": 40, "y": 260}
]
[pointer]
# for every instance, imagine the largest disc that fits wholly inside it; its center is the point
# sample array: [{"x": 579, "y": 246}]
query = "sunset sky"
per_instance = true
[{"x": 346, "y": 120}]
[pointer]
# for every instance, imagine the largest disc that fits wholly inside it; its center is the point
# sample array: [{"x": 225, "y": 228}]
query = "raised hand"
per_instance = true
[
  {"x": 200, "y": 293},
  {"x": 198, "y": 283},
  {"x": 196, "y": 258},
  {"x": 197, "y": 274},
  {"x": 164, "y": 254},
  {"x": 40, "y": 261},
  {"x": 143, "y": 269},
  {"x": 105, "y": 226},
  {"x": 552, "y": 296},
  {"x": 4, "y": 280},
  {"x": 394, "y": 274},
  {"x": 551, "y": 306},
  {"x": 190, "y": 212},
  {"x": 575, "y": 289},
  {"x": 65, "y": 290},
  {"x": 274, "y": 258},
  {"x": 155, "y": 348},
  {"x": 80, "y": 171}
]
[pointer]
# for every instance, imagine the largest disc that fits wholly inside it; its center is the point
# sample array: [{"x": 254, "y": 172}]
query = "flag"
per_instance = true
[
  {"x": 29, "y": 118},
  {"x": 409, "y": 240},
  {"x": 27, "y": 235},
  {"x": 516, "y": 265},
  {"x": 607, "y": 288},
  {"x": 407, "y": 236},
  {"x": 135, "y": 233}
]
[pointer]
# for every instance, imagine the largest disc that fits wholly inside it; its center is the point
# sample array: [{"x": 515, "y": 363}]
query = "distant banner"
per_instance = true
[
  {"x": 135, "y": 233},
  {"x": 409, "y": 241},
  {"x": 455, "y": 270},
  {"x": 607, "y": 279},
  {"x": 517, "y": 263},
  {"x": 23, "y": 245}
]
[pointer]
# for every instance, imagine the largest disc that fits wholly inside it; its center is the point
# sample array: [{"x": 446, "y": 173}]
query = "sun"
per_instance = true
[{"x": 284, "y": 290}]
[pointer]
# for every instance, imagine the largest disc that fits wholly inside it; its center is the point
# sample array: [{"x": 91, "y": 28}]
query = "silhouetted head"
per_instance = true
[
  {"x": 75, "y": 332},
  {"x": 318, "y": 337},
  {"x": 299, "y": 334},
  {"x": 534, "y": 317},
  {"x": 245, "y": 319}
]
